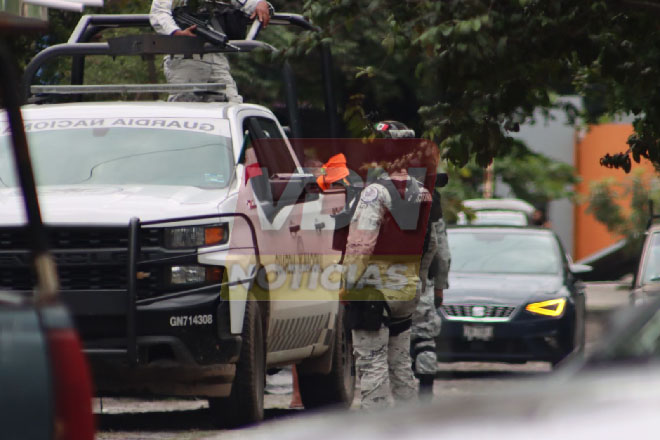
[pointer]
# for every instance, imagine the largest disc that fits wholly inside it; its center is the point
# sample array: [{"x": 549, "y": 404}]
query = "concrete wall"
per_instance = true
[{"x": 555, "y": 139}]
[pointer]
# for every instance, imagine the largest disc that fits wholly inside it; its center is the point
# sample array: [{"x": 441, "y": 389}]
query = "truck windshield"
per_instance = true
[{"x": 145, "y": 151}]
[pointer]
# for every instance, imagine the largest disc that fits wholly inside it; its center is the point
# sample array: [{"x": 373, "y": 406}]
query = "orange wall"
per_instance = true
[{"x": 591, "y": 235}]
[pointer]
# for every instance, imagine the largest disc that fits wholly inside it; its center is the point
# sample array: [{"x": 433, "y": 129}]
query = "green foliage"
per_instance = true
[
  {"x": 465, "y": 73},
  {"x": 471, "y": 71},
  {"x": 629, "y": 223},
  {"x": 530, "y": 176}
]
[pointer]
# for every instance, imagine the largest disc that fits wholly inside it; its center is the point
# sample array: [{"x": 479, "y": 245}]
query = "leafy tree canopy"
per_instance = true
[
  {"x": 476, "y": 69},
  {"x": 468, "y": 72}
]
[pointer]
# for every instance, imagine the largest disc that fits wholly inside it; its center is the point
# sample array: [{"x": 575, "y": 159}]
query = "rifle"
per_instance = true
[{"x": 204, "y": 29}]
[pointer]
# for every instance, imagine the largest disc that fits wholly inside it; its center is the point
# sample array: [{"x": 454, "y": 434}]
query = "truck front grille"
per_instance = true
[
  {"x": 83, "y": 278},
  {"x": 72, "y": 237},
  {"x": 88, "y": 258}
]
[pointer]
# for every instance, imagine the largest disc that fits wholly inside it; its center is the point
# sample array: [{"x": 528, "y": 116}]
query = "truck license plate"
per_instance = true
[{"x": 478, "y": 332}]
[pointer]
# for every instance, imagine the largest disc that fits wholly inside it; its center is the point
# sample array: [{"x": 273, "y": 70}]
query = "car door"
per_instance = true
[{"x": 292, "y": 252}]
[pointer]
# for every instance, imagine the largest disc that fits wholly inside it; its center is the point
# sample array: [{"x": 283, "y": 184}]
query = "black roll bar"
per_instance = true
[
  {"x": 91, "y": 24},
  {"x": 291, "y": 95},
  {"x": 78, "y": 46},
  {"x": 328, "y": 90}
]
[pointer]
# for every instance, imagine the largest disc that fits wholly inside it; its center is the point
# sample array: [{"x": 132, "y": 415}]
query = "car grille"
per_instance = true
[{"x": 477, "y": 312}]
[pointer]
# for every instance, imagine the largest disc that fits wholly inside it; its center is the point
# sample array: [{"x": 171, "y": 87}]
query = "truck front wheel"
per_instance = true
[
  {"x": 245, "y": 404},
  {"x": 336, "y": 388}
]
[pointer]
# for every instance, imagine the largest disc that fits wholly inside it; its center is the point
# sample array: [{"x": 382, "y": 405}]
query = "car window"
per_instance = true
[
  {"x": 271, "y": 150},
  {"x": 651, "y": 269},
  {"x": 489, "y": 251},
  {"x": 191, "y": 153}
]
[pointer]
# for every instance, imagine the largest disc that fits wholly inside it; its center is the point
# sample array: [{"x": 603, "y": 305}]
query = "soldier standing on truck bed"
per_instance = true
[
  {"x": 213, "y": 67},
  {"x": 380, "y": 311}
]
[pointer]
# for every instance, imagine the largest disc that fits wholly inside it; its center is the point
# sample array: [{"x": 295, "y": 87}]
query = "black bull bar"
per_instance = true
[{"x": 134, "y": 262}]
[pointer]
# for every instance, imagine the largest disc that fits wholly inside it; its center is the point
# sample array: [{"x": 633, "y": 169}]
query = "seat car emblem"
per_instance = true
[{"x": 478, "y": 311}]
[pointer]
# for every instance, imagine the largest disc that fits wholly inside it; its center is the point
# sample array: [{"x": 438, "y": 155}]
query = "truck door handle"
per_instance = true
[{"x": 294, "y": 229}]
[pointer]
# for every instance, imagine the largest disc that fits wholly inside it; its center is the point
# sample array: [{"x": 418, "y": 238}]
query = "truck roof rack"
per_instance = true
[{"x": 79, "y": 46}]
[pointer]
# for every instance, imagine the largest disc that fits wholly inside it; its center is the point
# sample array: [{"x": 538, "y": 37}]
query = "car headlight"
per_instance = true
[
  {"x": 196, "y": 236},
  {"x": 552, "y": 307}
]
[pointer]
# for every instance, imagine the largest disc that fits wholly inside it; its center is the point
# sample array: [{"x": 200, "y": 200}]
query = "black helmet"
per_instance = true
[{"x": 394, "y": 130}]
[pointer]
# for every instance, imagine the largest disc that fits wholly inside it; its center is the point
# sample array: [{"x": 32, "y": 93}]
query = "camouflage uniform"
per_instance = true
[
  {"x": 426, "y": 321},
  {"x": 383, "y": 359},
  {"x": 212, "y": 67}
]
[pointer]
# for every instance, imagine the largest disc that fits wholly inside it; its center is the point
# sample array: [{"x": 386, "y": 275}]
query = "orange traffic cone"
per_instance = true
[{"x": 296, "y": 401}]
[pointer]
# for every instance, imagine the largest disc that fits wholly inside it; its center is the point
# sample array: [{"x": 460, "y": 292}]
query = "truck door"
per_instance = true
[{"x": 287, "y": 212}]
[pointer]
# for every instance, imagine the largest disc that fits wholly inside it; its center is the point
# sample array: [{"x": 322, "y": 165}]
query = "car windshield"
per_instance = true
[
  {"x": 495, "y": 217},
  {"x": 143, "y": 151},
  {"x": 503, "y": 252},
  {"x": 651, "y": 269}
]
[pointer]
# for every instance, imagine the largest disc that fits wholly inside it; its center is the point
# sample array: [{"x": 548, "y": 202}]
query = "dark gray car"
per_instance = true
[{"x": 514, "y": 297}]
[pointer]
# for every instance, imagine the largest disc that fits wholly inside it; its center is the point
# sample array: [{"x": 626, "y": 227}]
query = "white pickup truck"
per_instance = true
[{"x": 192, "y": 249}]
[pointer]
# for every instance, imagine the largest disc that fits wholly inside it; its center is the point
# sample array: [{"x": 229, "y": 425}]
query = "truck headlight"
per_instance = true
[
  {"x": 188, "y": 275},
  {"x": 552, "y": 307},
  {"x": 194, "y": 274},
  {"x": 196, "y": 236}
]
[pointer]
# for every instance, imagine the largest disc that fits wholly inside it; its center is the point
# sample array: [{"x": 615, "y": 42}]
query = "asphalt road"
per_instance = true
[{"x": 188, "y": 419}]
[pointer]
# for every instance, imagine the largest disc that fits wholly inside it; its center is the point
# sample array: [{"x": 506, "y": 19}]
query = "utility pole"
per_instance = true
[{"x": 489, "y": 181}]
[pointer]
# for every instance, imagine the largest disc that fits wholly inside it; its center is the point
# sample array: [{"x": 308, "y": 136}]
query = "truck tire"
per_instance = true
[
  {"x": 245, "y": 404},
  {"x": 336, "y": 388}
]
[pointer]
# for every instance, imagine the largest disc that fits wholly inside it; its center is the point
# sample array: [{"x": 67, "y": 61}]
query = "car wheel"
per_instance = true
[
  {"x": 337, "y": 387},
  {"x": 245, "y": 404}
]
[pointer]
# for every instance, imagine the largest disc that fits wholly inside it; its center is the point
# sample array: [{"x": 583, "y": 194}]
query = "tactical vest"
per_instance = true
[{"x": 403, "y": 229}]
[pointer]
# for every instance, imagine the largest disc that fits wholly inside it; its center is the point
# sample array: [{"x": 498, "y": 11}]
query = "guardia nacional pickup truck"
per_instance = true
[{"x": 192, "y": 249}]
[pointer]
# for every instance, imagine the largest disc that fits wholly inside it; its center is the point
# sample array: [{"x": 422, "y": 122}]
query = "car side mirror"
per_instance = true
[{"x": 578, "y": 269}]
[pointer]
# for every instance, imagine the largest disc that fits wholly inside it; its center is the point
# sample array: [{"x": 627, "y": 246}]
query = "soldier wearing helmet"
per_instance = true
[{"x": 386, "y": 237}]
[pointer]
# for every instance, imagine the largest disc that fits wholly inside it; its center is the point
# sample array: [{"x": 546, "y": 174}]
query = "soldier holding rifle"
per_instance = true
[{"x": 212, "y": 67}]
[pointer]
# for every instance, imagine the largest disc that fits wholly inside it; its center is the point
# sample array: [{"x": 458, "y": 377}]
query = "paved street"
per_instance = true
[{"x": 187, "y": 419}]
